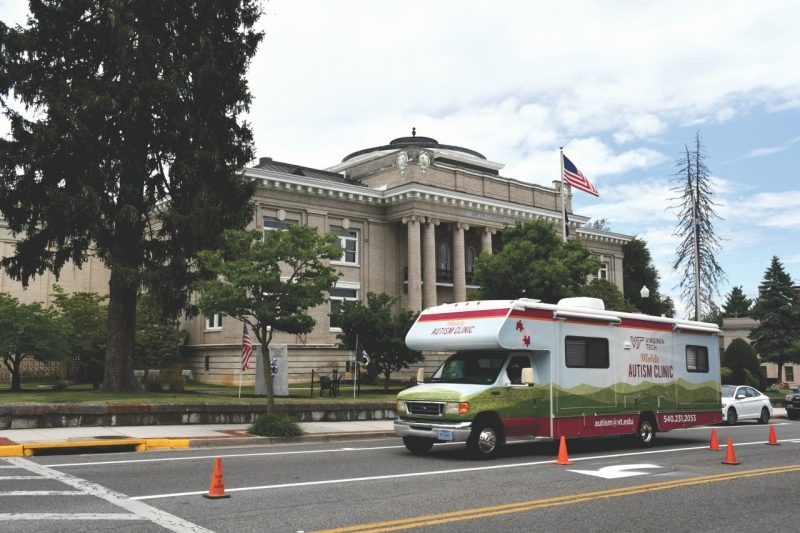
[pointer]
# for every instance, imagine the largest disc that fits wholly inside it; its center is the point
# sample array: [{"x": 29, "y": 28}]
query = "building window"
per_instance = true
[
  {"x": 348, "y": 240},
  {"x": 789, "y": 372},
  {"x": 470, "y": 263},
  {"x": 273, "y": 224},
  {"x": 586, "y": 352},
  {"x": 337, "y": 296},
  {"x": 444, "y": 273},
  {"x": 697, "y": 359},
  {"x": 214, "y": 321},
  {"x": 603, "y": 272}
]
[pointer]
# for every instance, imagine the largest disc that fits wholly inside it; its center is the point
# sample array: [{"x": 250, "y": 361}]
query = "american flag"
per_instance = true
[
  {"x": 575, "y": 177},
  {"x": 247, "y": 348}
]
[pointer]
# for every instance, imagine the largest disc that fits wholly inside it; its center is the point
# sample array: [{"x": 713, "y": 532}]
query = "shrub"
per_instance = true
[
  {"x": 153, "y": 383},
  {"x": 275, "y": 426},
  {"x": 59, "y": 386}
]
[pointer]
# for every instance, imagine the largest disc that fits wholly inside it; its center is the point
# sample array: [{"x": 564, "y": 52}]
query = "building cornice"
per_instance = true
[{"x": 416, "y": 192}]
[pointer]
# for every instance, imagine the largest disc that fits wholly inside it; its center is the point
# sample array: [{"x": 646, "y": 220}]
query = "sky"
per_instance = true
[{"x": 623, "y": 86}]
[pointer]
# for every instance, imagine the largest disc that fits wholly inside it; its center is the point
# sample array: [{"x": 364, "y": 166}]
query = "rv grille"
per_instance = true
[{"x": 425, "y": 408}]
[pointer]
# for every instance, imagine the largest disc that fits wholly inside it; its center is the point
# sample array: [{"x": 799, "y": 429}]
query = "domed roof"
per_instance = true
[{"x": 417, "y": 142}]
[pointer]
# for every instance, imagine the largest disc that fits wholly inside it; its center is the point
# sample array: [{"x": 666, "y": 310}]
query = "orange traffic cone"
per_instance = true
[
  {"x": 773, "y": 440},
  {"x": 714, "y": 442},
  {"x": 563, "y": 459},
  {"x": 217, "y": 488},
  {"x": 730, "y": 456}
]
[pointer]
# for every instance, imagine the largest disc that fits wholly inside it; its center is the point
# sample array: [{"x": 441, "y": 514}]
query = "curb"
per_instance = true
[
  {"x": 138, "y": 445},
  {"x": 143, "y": 445},
  {"x": 303, "y": 439}
]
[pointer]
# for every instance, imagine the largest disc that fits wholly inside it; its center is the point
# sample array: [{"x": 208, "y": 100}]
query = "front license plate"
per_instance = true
[{"x": 444, "y": 434}]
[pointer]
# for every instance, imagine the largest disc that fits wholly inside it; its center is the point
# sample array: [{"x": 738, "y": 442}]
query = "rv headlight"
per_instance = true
[
  {"x": 456, "y": 408},
  {"x": 400, "y": 407}
]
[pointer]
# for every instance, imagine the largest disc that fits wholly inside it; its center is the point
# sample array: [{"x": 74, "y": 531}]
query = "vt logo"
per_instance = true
[{"x": 637, "y": 342}]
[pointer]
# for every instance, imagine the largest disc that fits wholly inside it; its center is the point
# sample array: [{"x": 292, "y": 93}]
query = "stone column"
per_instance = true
[
  {"x": 459, "y": 266},
  {"x": 486, "y": 240},
  {"x": 429, "y": 263},
  {"x": 414, "y": 269}
]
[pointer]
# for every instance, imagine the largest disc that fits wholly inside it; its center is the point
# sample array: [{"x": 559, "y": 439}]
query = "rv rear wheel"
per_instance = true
[
  {"x": 485, "y": 440},
  {"x": 647, "y": 431},
  {"x": 418, "y": 445}
]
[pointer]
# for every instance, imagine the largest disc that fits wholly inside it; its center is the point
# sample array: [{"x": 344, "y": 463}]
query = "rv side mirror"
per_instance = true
[
  {"x": 527, "y": 376},
  {"x": 421, "y": 375}
]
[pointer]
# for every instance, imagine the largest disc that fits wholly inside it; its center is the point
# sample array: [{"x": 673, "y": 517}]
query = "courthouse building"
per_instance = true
[{"x": 411, "y": 216}]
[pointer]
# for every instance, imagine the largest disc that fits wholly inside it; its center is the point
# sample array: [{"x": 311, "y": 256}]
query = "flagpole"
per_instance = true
[
  {"x": 355, "y": 370},
  {"x": 240, "y": 380},
  {"x": 563, "y": 198}
]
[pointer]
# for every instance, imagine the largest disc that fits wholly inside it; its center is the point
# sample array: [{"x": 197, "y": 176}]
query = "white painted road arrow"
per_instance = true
[{"x": 616, "y": 471}]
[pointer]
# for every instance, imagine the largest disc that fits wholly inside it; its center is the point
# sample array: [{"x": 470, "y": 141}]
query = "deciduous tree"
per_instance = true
[
  {"x": 29, "y": 331},
  {"x": 381, "y": 332},
  {"x": 534, "y": 263},
  {"x": 270, "y": 283},
  {"x": 85, "y": 314},
  {"x": 131, "y": 147},
  {"x": 638, "y": 270}
]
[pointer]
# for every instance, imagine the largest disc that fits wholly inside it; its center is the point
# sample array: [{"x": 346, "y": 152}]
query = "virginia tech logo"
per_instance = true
[{"x": 637, "y": 342}]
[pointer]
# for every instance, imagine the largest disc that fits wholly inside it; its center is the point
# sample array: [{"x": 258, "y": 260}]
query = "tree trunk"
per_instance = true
[
  {"x": 118, "y": 376},
  {"x": 387, "y": 376},
  {"x": 16, "y": 381},
  {"x": 268, "y": 380}
]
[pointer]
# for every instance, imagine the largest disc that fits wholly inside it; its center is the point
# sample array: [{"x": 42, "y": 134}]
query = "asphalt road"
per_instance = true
[{"x": 376, "y": 485}]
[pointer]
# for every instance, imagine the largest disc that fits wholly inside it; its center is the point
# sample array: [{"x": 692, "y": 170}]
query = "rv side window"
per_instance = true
[
  {"x": 697, "y": 359},
  {"x": 586, "y": 352}
]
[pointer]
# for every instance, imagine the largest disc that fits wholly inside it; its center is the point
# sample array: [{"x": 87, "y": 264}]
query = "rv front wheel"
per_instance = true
[
  {"x": 647, "y": 432},
  {"x": 484, "y": 441},
  {"x": 418, "y": 445}
]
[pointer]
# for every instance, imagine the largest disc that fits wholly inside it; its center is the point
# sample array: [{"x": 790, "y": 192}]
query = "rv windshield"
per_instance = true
[{"x": 479, "y": 368}]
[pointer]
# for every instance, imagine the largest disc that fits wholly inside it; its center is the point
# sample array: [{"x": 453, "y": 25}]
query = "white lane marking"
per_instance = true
[
  {"x": 616, "y": 471},
  {"x": 2, "y": 478},
  {"x": 68, "y": 516},
  {"x": 738, "y": 426},
  {"x": 43, "y": 493},
  {"x": 146, "y": 512},
  {"x": 197, "y": 457},
  {"x": 434, "y": 472}
]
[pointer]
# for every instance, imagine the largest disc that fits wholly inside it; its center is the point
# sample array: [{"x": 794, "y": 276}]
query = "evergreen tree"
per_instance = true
[
  {"x": 639, "y": 271},
  {"x": 737, "y": 304},
  {"x": 132, "y": 146},
  {"x": 699, "y": 244},
  {"x": 744, "y": 364},
  {"x": 778, "y": 313}
]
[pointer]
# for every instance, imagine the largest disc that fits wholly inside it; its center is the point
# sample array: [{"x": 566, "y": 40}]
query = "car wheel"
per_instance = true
[
  {"x": 764, "y": 419},
  {"x": 646, "y": 431},
  {"x": 485, "y": 440},
  {"x": 418, "y": 445},
  {"x": 732, "y": 416}
]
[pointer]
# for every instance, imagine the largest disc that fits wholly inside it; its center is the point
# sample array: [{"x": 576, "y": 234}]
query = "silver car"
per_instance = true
[{"x": 740, "y": 402}]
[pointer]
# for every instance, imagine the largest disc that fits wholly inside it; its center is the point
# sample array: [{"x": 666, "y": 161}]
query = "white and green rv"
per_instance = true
[{"x": 525, "y": 369}]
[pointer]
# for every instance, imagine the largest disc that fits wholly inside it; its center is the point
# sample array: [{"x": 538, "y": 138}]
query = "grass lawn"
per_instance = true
[{"x": 195, "y": 393}]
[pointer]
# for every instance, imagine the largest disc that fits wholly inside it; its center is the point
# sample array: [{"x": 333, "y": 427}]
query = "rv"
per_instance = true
[{"x": 526, "y": 369}]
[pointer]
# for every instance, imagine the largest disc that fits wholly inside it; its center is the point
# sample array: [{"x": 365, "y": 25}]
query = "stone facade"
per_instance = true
[{"x": 412, "y": 215}]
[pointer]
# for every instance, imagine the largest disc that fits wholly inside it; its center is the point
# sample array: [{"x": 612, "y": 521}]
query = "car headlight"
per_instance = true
[
  {"x": 400, "y": 407},
  {"x": 456, "y": 408}
]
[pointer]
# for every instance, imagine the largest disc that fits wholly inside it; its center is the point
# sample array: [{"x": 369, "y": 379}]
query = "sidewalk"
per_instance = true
[{"x": 16, "y": 442}]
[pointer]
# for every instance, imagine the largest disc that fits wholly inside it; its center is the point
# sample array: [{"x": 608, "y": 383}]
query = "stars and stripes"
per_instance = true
[
  {"x": 575, "y": 177},
  {"x": 247, "y": 348}
]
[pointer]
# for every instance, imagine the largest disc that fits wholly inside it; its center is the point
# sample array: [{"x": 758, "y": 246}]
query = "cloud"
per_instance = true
[{"x": 761, "y": 152}]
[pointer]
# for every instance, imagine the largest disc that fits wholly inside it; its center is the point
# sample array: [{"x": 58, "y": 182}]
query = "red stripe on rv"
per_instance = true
[
  {"x": 645, "y": 324},
  {"x": 461, "y": 315},
  {"x": 533, "y": 314}
]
